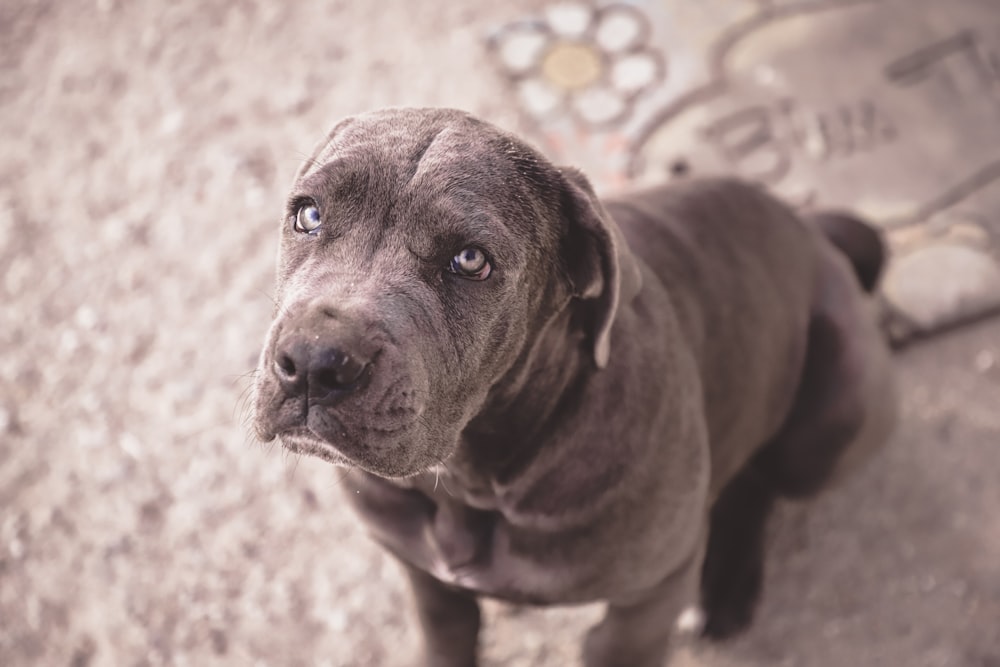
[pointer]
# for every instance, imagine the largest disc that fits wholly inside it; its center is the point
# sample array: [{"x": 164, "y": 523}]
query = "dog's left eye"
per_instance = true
[
  {"x": 471, "y": 263},
  {"x": 307, "y": 219}
]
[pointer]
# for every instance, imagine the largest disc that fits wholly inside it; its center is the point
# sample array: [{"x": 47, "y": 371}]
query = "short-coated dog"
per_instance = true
[{"x": 546, "y": 398}]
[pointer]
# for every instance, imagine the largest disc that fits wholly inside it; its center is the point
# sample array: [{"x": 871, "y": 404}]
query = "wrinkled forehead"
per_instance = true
[
  {"x": 442, "y": 158},
  {"x": 405, "y": 136}
]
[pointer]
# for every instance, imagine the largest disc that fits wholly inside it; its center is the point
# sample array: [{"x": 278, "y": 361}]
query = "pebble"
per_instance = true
[
  {"x": 985, "y": 361},
  {"x": 691, "y": 621},
  {"x": 943, "y": 283}
]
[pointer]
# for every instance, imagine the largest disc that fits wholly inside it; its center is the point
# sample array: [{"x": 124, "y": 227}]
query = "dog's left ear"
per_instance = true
[{"x": 602, "y": 271}]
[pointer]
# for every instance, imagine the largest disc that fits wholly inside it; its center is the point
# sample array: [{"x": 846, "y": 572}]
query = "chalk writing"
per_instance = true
[
  {"x": 841, "y": 132},
  {"x": 748, "y": 140},
  {"x": 760, "y": 141},
  {"x": 960, "y": 65}
]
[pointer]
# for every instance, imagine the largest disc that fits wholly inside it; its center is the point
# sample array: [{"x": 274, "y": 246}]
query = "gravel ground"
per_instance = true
[{"x": 146, "y": 148}]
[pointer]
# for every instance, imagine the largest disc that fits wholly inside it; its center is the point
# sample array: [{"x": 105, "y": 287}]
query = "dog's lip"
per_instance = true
[
  {"x": 304, "y": 441},
  {"x": 303, "y": 435}
]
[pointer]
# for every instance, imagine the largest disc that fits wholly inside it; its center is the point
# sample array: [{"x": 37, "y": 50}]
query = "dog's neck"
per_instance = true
[{"x": 537, "y": 394}]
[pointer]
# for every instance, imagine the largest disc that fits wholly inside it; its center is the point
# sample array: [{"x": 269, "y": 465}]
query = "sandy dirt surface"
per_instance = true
[{"x": 145, "y": 151}]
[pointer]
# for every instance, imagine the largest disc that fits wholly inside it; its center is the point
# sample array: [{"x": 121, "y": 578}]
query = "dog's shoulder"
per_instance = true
[{"x": 737, "y": 204}]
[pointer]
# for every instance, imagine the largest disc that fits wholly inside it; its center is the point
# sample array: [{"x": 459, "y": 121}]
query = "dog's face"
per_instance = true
[{"x": 420, "y": 251}]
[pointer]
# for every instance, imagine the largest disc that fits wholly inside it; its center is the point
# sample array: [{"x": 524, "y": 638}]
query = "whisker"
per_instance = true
[
  {"x": 236, "y": 377},
  {"x": 295, "y": 466},
  {"x": 444, "y": 464},
  {"x": 243, "y": 404},
  {"x": 301, "y": 157},
  {"x": 278, "y": 307},
  {"x": 342, "y": 474}
]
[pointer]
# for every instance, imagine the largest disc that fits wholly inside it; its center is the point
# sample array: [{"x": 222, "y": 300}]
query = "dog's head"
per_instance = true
[{"x": 420, "y": 252}]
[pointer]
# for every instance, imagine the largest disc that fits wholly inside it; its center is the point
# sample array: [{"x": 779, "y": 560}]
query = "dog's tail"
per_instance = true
[{"x": 860, "y": 241}]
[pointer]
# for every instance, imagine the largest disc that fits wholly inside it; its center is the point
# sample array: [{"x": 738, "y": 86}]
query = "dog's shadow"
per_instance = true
[{"x": 881, "y": 565}]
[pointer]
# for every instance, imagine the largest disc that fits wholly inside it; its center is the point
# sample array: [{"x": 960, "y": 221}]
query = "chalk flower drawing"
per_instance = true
[{"x": 592, "y": 62}]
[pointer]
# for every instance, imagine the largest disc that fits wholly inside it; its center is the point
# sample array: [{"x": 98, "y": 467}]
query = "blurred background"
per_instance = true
[{"x": 146, "y": 147}]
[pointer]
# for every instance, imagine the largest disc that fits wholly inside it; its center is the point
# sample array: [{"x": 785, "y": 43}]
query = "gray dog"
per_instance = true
[{"x": 546, "y": 399}]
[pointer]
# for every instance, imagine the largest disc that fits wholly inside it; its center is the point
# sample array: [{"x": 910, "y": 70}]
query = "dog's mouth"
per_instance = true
[
  {"x": 382, "y": 427},
  {"x": 375, "y": 449},
  {"x": 304, "y": 441}
]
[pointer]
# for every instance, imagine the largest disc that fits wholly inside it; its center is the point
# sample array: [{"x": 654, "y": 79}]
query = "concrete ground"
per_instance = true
[{"x": 145, "y": 151}]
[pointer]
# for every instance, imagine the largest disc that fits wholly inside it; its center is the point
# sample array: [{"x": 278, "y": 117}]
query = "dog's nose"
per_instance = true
[{"x": 321, "y": 368}]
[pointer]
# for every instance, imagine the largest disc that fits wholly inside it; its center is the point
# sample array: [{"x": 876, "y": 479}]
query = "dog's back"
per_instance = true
[
  {"x": 777, "y": 308},
  {"x": 741, "y": 271},
  {"x": 751, "y": 279}
]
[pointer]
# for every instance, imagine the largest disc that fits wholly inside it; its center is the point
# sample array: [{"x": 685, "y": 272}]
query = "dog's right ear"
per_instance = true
[{"x": 596, "y": 260}]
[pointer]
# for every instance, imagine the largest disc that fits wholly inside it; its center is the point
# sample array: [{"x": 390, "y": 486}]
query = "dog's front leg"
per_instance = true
[
  {"x": 637, "y": 632},
  {"x": 449, "y": 619}
]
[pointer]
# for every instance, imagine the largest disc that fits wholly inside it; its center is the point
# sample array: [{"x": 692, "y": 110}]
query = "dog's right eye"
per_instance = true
[
  {"x": 308, "y": 219},
  {"x": 471, "y": 263}
]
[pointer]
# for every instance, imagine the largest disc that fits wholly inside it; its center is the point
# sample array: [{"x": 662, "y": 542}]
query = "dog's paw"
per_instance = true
[
  {"x": 730, "y": 608},
  {"x": 691, "y": 622},
  {"x": 428, "y": 660}
]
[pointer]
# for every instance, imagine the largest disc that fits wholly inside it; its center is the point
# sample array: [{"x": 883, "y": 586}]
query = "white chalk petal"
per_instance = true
[
  {"x": 599, "y": 105},
  {"x": 521, "y": 47},
  {"x": 619, "y": 28},
  {"x": 632, "y": 73},
  {"x": 569, "y": 19},
  {"x": 538, "y": 97}
]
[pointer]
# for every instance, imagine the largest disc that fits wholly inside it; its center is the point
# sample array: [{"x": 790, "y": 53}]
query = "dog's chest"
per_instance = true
[
  {"x": 481, "y": 551},
  {"x": 459, "y": 538},
  {"x": 471, "y": 547}
]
